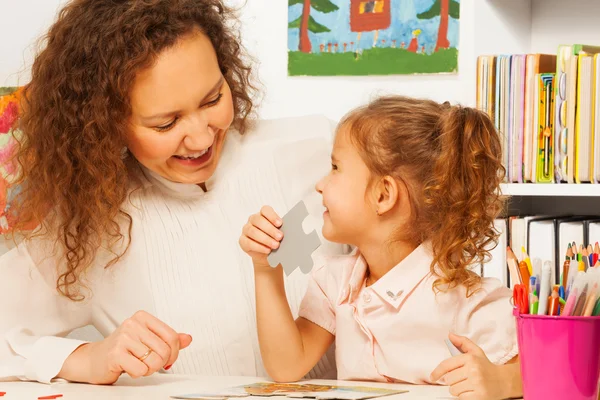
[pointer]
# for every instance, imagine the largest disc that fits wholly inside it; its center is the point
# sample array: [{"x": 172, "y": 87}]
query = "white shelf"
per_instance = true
[{"x": 550, "y": 189}]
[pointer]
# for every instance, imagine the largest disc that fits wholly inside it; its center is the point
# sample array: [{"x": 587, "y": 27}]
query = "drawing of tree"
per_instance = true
[
  {"x": 443, "y": 9},
  {"x": 307, "y": 23}
]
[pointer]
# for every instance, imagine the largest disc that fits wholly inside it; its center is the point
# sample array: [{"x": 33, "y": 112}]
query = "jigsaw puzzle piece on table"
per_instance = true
[{"x": 297, "y": 246}]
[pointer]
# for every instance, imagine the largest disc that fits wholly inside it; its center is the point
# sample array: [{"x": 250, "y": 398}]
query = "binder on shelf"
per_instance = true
[
  {"x": 496, "y": 266},
  {"x": 591, "y": 231}
]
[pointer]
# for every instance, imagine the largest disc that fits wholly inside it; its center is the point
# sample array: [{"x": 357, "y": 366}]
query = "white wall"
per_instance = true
[
  {"x": 564, "y": 22},
  {"x": 534, "y": 26},
  {"x": 265, "y": 36},
  {"x": 487, "y": 27},
  {"x": 23, "y": 22}
]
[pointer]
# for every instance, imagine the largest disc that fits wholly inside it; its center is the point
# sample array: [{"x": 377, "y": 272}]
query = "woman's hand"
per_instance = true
[
  {"x": 139, "y": 347},
  {"x": 261, "y": 235},
  {"x": 472, "y": 375}
]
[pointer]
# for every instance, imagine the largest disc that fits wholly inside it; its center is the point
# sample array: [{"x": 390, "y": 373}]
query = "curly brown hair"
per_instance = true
[
  {"x": 75, "y": 117},
  {"x": 449, "y": 158}
]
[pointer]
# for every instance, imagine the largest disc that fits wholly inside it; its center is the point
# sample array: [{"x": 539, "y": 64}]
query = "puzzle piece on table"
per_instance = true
[{"x": 297, "y": 246}]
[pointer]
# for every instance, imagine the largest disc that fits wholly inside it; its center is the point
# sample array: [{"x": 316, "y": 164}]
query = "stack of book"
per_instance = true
[{"x": 547, "y": 109}]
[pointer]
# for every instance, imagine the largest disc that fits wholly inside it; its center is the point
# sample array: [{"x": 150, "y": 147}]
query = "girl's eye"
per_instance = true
[
  {"x": 164, "y": 128},
  {"x": 334, "y": 167}
]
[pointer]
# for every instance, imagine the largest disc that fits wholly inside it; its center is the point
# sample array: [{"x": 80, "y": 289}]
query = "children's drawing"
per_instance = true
[{"x": 372, "y": 37}]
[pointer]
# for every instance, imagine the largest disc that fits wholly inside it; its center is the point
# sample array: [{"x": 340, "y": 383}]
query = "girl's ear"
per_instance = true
[{"x": 386, "y": 194}]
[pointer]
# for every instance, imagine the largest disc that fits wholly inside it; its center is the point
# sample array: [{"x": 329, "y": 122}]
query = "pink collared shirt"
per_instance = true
[{"x": 394, "y": 330}]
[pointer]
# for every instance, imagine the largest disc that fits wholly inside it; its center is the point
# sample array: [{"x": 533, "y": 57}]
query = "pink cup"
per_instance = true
[{"x": 560, "y": 357}]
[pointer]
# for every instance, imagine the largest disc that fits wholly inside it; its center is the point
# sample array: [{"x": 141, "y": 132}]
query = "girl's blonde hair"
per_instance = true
[{"x": 449, "y": 158}]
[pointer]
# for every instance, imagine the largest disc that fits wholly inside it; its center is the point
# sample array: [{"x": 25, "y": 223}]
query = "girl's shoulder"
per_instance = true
[
  {"x": 489, "y": 294},
  {"x": 490, "y": 289},
  {"x": 337, "y": 273},
  {"x": 336, "y": 265}
]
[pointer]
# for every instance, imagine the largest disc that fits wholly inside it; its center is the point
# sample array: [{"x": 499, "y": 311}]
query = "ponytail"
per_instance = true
[{"x": 463, "y": 195}]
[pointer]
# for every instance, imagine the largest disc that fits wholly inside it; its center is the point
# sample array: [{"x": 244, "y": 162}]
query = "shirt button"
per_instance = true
[{"x": 366, "y": 297}]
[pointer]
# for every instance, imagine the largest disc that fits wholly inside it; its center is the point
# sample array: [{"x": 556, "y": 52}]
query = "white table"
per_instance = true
[{"x": 162, "y": 386}]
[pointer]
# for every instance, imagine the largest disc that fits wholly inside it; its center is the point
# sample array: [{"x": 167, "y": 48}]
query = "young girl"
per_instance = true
[{"x": 414, "y": 186}]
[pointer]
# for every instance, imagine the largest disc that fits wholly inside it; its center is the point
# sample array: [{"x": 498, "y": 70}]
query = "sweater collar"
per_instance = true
[{"x": 190, "y": 190}]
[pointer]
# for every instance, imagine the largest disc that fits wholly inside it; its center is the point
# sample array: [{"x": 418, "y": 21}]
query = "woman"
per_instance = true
[{"x": 134, "y": 160}]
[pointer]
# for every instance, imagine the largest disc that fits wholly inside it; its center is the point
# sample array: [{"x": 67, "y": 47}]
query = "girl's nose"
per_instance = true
[{"x": 319, "y": 186}]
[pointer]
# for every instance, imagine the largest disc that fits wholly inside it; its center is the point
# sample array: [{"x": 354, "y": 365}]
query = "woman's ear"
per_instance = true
[{"x": 386, "y": 194}]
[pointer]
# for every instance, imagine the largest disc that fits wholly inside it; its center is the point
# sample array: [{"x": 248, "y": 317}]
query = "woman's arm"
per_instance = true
[
  {"x": 35, "y": 318},
  {"x": 289, "y": 348}
]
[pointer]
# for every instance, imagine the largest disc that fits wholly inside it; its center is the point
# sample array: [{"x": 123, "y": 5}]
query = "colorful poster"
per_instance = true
[
  {"x": 372, "y": 37},
  {"x": 9, "y": 111}
]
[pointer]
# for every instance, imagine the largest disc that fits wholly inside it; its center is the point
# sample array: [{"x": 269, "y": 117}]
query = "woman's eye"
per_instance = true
[
  {"x": 215, "y": 101},
  {"x": 168, "y": 126}
]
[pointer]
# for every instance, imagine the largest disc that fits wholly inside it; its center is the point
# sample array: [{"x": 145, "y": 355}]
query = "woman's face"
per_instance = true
[{"x": 181, "y": 110}]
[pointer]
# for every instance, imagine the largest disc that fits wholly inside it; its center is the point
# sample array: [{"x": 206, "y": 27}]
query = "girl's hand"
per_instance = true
[
  {"x": 472, "y": 375},
  {"x": 141, "y": 346},
  {"x": 261, "y": 235}
]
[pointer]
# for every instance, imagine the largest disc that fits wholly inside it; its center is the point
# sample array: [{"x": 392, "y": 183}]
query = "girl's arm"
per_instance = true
[
  {"x": 473, "y": 375},
  {"x": 514, "y": 381},
  {"x": 290, "y": 349}
]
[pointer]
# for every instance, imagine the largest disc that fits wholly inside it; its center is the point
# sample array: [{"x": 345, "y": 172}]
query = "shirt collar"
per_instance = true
[{"x": 395, "y": 286}]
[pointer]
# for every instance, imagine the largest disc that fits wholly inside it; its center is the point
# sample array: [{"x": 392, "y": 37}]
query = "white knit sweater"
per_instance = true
[{"x": 184, "y": 265}]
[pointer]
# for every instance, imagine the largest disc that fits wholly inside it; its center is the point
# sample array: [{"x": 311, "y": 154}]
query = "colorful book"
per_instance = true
[
  {"x": 566, "y": 67},
  {"x": 583, "y": 119},
  {"x": 516, "y": 110},
  {"x": 545, "y": 130},
  {"x": 535, "y": 64},
  {"x": 595, "y": 147}
]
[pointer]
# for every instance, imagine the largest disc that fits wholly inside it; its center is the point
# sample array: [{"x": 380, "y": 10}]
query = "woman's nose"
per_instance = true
[{"x": 200, "y": 134}]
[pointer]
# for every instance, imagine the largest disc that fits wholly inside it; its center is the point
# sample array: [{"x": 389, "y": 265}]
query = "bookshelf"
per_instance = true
[
  {"x": 538, "y": 26},
  {"x": 551, "y": 189}
]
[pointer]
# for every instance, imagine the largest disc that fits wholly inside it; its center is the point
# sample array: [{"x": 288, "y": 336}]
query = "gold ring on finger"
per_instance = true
[{"x": 146, "y": 354}]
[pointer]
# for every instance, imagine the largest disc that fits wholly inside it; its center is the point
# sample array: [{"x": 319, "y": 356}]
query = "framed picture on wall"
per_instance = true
[{"x": 372, "y": 37}]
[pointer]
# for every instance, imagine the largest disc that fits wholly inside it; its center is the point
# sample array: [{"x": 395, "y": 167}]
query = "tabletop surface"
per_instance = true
[{"x": 163, "y": 386}]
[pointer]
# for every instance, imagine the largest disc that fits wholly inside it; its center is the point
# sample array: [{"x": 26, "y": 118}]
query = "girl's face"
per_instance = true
[
  {"x": 348, "y": 216},
  {"x": 181, "y": 110}
]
